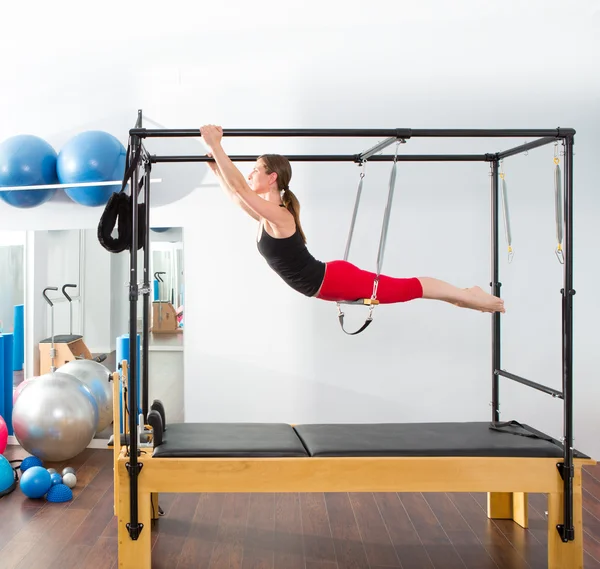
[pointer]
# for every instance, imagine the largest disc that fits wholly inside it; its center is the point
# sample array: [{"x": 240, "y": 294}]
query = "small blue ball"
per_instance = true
[
  {"x": 30, "y": 461},
  {"x": 35, "y": 482},
  {"x": 56, "y": 478}
]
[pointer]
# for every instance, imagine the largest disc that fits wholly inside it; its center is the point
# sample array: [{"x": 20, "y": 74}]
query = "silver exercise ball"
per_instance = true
[
  {"x": 96, "y": 377},
  {"x": 55, "y": 417}
]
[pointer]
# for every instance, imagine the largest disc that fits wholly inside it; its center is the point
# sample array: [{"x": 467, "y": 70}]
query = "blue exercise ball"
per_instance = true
[
  {"x": 91, "y": 156},
  {"x": 35, "y": 482},
  {"x": 7, "y": 475},
  {"x": 27, "y": 160},
  {"x": 30, "y": 461}
]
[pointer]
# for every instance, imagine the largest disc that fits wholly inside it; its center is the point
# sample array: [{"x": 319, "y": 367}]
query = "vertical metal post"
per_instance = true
[
  {"x": 567, "y": 531},
  {"x": 146, "y": 289},
  {"x": 133, "y": 465},
  {"x": 495, "y": 284}
]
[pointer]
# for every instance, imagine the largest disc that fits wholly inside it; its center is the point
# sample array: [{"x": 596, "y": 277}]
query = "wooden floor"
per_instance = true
[{"x": 282, "y": 531}]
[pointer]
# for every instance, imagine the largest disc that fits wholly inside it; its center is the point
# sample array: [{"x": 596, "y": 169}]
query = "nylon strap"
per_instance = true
[{"x": 382, "y": 242}]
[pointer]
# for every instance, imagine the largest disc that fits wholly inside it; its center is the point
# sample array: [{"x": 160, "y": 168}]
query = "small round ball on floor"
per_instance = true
[
  {"x": 30, "y": 461},
  {"x": 56, "y": 478},
  {"x": 35, "y": 482},
  {"x": 69, "y": 479}
]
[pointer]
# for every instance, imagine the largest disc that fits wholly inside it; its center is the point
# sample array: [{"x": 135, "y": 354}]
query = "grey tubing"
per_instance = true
[
  {"x": 355, "y": 212},
  {"x": 386, "y": 215},
  {"x": 506, "y": 215},
  {"x": 558, "y": 208}
]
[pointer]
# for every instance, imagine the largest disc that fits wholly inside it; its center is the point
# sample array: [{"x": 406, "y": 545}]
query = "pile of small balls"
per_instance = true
[{"x": 38, "y": 482}]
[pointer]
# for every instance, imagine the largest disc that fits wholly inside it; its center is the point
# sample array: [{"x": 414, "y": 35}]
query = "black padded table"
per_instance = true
[
  {"x": 203, "y": 440},
  {"x": 428, "y": 439}
]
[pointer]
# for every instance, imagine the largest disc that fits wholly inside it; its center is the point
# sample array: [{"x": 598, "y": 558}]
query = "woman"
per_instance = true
[{"x": 281, "y": 241}]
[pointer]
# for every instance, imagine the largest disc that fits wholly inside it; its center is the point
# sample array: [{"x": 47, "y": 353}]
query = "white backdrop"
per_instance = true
[{"x": 255, "y": 350}]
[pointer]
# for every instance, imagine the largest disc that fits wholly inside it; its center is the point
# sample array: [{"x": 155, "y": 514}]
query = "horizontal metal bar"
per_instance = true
[
  {"x": 281, "y": 132},
  {"x": 337, "y": 158},
  {"x": 358, "y": 132},
  {"x": 491, "y": 133},
  {"x": 529, "y": 383},
  {"x": 527, "y": 146}
]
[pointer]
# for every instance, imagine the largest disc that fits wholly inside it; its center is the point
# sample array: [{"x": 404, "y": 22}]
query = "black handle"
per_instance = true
[
  {"x": 65, "y": 293},
  {"x": 158, "y": 277},
  {"x": 44, "y": 293}
]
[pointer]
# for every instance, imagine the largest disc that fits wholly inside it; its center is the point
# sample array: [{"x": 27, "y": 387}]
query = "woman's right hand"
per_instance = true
[{"x": 211, "y": 134}]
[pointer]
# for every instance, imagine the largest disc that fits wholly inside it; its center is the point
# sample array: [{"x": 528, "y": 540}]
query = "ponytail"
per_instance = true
[
  {"x": 290, "y": 201},
  {"x": 281, "y": 166}
]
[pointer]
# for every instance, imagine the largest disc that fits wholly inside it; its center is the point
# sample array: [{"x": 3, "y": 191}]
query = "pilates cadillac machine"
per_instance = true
[{"x": 507, "y": 459}]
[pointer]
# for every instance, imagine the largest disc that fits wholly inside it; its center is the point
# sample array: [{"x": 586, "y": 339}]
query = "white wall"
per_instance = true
[{"x": 254, "y": 350}]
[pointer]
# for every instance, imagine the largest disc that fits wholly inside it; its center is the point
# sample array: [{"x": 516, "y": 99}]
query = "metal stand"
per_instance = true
[{"x": 542, "y": 137}]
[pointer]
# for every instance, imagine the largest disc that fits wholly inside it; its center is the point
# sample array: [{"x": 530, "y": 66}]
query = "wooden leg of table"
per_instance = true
[
  {"x": 133, "y": 554},
  {"x": 569, "y": 554},
  {"x": 508, "y": 506},
  {"x": 154, "y": 506}
]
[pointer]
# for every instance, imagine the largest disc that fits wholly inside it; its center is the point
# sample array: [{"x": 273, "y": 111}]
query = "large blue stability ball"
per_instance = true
[
  {"x": 7, "y": 475},
  {"x": 91, "y": 156},
  {"x": 27, "y": 160}
]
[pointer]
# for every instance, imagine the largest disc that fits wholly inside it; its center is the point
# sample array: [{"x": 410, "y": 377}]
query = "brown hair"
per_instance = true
[{"x": 282, "y": 167}]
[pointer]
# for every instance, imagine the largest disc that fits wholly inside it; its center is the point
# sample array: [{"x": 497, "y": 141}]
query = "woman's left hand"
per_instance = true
[{"x": 211, "y": 135}]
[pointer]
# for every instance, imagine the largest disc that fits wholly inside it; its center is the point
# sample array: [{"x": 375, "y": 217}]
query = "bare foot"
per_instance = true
[{"x": 478, "y": 299}]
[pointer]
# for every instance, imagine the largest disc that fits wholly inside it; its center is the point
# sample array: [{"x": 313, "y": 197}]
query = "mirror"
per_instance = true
[
  {"x": 166, "y": 267},
  {"x": 167, "y": 320},
  {"x": 87, "y": 316}
]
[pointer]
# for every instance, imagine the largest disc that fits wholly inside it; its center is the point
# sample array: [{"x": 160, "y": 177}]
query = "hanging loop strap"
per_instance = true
[
  {"x": 506, "y": 214},
  {"x": 363, "y": 327},
  {"x": 558, "y": 205},
  {"x": 372, "y": 302}
]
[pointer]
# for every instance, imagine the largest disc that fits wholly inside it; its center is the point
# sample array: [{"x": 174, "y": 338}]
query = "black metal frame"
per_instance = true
[{"x": 542, "y": 137}]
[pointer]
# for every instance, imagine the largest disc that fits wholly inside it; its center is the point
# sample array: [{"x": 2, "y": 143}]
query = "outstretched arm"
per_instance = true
[
  {"x": 236, "y": 182},
  {"x": 234, "y": 197}
]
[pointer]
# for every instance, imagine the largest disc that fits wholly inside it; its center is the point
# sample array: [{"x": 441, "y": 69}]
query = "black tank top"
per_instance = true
[{"x": 291, "y": 260}]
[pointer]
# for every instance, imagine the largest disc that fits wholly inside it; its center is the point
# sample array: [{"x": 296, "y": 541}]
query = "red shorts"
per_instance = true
[{"x": 345, "y": 282}]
